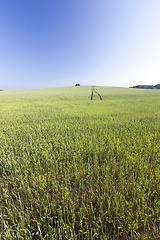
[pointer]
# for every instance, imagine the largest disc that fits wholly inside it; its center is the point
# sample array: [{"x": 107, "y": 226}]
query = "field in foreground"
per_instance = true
[{"x": 72, "y": 168}]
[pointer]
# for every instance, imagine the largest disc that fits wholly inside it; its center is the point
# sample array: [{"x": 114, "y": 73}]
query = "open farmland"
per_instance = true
[{"x": 72, "y": 168}]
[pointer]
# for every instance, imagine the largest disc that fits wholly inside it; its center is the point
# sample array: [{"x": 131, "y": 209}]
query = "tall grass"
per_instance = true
[{"x": 72, "y": 168}]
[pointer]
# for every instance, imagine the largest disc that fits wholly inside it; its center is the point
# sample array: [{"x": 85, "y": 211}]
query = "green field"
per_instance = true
[{"x": 72, "y": 168}]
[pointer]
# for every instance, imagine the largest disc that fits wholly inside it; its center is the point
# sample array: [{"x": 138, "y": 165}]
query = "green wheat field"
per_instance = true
[{"x": 72, "y": 168}]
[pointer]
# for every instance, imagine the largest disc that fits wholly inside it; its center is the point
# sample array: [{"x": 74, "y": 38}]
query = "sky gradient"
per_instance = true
[{"x": 55, "y": 43}]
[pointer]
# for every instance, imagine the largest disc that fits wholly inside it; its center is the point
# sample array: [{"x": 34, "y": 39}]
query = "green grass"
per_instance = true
[{"x": 72, "y": 168}]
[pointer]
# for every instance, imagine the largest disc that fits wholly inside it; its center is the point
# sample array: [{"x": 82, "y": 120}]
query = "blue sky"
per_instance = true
[{"x": 55, "y": 43}]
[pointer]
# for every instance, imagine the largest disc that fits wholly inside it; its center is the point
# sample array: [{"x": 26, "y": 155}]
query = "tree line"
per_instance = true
[{"x": 157, "y": 86}]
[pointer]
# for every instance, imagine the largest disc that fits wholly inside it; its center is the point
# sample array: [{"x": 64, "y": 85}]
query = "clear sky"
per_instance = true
[{"x": 55, "y": 43}]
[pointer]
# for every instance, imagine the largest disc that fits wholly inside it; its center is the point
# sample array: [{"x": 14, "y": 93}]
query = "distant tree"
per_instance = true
[
  {"x": 157, "y": 86},
  {"x": 77, "y": 85}
]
